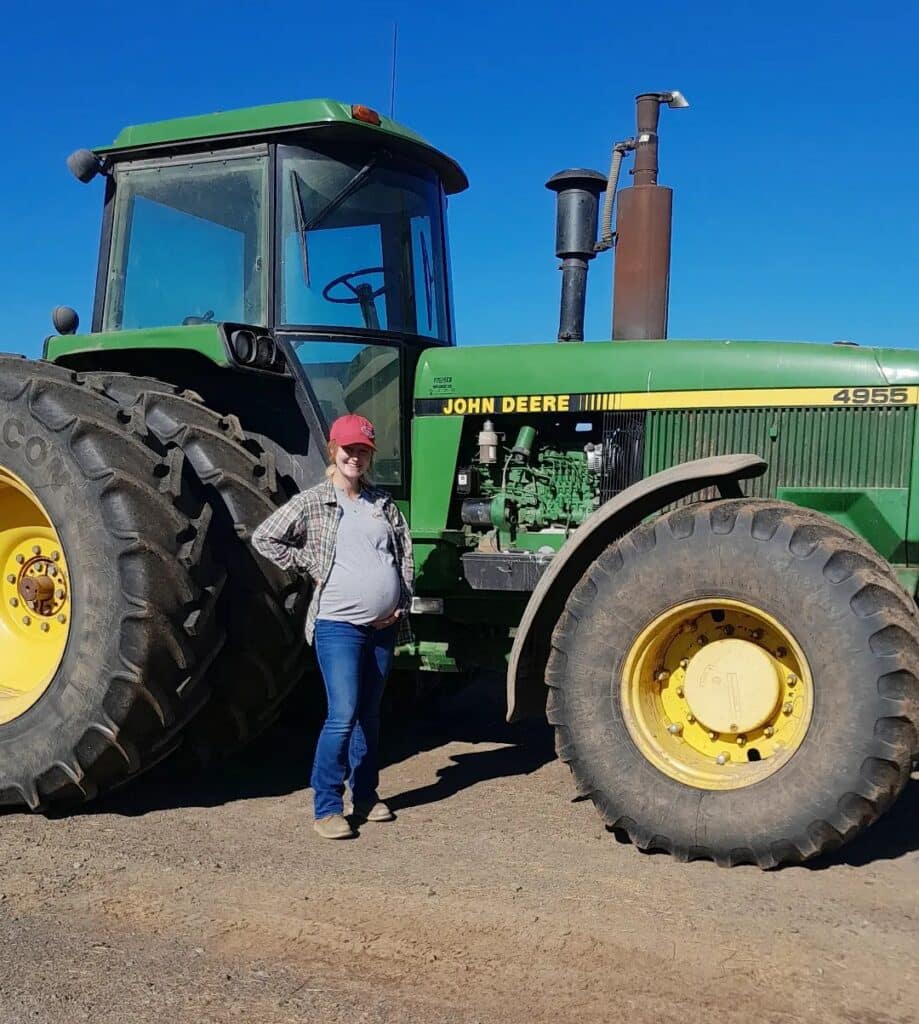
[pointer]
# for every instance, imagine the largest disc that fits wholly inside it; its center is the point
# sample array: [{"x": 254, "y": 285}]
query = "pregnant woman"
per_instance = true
[{"x": 354, "y": 543}]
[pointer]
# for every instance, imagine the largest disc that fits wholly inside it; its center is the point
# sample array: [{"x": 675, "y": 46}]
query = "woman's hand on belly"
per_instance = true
[{"x": 386, "y": 622}]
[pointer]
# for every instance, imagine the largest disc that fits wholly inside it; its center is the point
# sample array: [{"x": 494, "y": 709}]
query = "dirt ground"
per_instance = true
[{"x": 495, "y": 897}]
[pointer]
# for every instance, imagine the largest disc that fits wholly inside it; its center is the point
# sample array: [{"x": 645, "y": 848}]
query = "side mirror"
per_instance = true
[
  {"x": 65, "y": 320},
  {"x": 84, "y": 165}
]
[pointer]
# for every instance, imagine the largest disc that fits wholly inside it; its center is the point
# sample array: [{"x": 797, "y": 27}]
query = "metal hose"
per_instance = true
[{"x": 606, "y": 227}]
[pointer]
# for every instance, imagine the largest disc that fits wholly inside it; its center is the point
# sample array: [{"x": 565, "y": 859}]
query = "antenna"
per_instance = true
[{"x": 392, "y": 79}]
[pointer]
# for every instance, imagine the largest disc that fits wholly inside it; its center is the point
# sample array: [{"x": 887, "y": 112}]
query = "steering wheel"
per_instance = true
[
  {"x": 359, "y": 292},
  {"x": 197, "y": 318}
]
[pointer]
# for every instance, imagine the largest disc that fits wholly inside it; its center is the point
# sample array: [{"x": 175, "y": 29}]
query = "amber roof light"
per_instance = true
[{"x": 361, "y": 113}]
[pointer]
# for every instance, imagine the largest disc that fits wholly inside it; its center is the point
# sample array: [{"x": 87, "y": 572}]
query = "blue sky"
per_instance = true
[{"x": 795, "y": 207}]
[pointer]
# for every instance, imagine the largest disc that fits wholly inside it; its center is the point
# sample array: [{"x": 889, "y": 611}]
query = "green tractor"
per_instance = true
[{"x": 701, "y": 557}]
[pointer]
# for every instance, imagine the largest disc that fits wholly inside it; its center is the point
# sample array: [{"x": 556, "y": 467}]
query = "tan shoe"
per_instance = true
[
  {"x": 370, "y": 812},
  {"x": 335, "y": 826}
]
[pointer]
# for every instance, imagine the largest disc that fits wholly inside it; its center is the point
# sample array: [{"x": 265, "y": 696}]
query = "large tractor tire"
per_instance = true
[
  {"x": 739, "y": 681},
  {"x": 245, "y": 479},
  {"x": 107, "y": 596}
]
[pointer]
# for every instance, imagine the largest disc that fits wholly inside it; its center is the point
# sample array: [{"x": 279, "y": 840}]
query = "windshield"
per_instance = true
[
  {"x": 361, "y": 245},
  {"x": 188, "y": 243}
]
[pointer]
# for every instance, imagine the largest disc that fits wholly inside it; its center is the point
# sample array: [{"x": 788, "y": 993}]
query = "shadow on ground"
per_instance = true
[
  {"x": 279, "y": 762},
  {"x": 895, "y": 835}
]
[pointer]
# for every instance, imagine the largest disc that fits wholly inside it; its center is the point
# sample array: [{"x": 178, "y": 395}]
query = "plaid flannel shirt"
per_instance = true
[{"x": 301, "y": 535}]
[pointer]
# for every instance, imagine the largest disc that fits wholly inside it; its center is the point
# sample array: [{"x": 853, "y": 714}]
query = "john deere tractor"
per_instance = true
[{"x": 700, "y": 557}]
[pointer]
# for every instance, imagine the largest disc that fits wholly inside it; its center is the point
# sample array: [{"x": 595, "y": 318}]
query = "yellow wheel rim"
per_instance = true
[
  {"x": 717, "y": 694},
  {"x": 35, "y": 601}
]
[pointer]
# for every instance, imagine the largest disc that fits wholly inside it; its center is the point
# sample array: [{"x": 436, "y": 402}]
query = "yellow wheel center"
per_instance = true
[
  {"x": 716, "y": 693},
  {"x": 732, "y": 686},
  {"x": 35, "y": 600}
]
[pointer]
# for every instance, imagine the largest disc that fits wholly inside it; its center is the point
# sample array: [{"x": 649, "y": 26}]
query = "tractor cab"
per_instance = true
[{"x": 310, "y": 235}]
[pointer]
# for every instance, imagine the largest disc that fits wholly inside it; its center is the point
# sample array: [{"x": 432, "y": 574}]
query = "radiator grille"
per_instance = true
[{"x": 815, "y": 447}]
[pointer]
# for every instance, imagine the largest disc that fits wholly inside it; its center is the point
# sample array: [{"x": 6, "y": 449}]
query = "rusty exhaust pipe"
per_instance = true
[{"x": 641, "y": 281}]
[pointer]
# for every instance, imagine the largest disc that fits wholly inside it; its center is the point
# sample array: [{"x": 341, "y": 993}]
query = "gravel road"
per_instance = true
[{"x": 495, "y": 897}]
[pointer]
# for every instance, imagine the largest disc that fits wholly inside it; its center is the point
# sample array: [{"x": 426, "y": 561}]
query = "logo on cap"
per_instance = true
[{"x": 367, "y": 430}]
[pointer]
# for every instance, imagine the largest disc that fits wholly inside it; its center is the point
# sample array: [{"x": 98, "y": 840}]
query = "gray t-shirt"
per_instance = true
[{"x": 363, "y": 585}]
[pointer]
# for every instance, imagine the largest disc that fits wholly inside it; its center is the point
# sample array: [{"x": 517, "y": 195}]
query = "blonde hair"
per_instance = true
[{"x": 332, "y": 448}]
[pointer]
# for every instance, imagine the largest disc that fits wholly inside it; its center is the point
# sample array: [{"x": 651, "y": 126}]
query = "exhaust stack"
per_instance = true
[
  {"x": 578, "y": 204},
  {"x": 641, "y": 281}
]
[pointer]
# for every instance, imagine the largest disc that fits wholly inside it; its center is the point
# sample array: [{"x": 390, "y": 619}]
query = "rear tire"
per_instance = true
[
  {"x": 130, "y": 527},
  {"x": 857, "y": 633},
  {"x": 245, "y": 480}
]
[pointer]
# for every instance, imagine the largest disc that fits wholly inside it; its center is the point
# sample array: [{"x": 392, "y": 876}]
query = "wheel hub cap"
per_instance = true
[
  {"x": 732, "y": 686},
  {"x": 35, "y": 598},
  {"x": 716, "y": 693},
  {"x": 41, "y": 586}
]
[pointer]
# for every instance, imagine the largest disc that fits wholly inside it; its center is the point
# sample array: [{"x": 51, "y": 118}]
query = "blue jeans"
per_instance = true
[{"x": 354, "y": 661}]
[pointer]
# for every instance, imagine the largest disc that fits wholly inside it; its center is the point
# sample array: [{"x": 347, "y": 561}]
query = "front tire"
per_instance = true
[
  {"x": 108, "y": 625},
  {"x": 739, "y": 681}
]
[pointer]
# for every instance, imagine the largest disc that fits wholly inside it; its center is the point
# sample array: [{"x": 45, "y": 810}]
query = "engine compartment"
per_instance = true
[{"x": 523, "y": 484}]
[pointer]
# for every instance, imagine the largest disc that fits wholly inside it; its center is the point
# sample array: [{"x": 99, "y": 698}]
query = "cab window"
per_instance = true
[
  {"x": 188, "y": 243},
  {"x": 365, "y": 379},
  {"x": 361, "y": 244}
]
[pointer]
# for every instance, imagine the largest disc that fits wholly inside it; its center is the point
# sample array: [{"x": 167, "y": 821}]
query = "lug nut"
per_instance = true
[
  {"x": 684, "y": 663},
  {"x": 768, "y": 731},
  {"x": 20, "y": 559},
  {"x": 45, "y": 627},
  {"x": 703, "y": 640},
  {"x": 788, "y": 707},
  {"x": 721, "y": 759},
  {"x": 679, "y": 691},
  {"x": 757, "y": 634},
  {"x": 741, "y": 740},
  {"x": 663, "y": 676},
  {"x": 780, "y": 652},
  {"x": 26, "y": 621},
  {"x": 11, "y": 577},
  {"x": 674, "y": 728},
  {"x": 690, "y": 718},
  {"x": 52, "y": 570},
  {"x": 732, "y": 727},
  {"x": 713, "y": 735},
  {"x": 59, "y": 594},
  {"x": 55, "y": 555},
  {"x": 14, "y": 601},
  {"x": 792, "y": 680},
  {"x": 62, "y": 618}
]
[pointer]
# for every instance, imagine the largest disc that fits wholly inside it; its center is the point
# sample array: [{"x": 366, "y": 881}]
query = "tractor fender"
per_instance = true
[{"x": 525, "y": 686}]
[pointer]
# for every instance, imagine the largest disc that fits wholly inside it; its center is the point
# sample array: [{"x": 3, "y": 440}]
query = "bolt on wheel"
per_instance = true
[
  {"x": 717, "y": 694},
  {"x": 35, "y": 598}
]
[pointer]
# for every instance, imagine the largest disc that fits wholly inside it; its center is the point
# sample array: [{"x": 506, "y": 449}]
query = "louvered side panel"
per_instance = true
[{"x": 853, "y": 448}]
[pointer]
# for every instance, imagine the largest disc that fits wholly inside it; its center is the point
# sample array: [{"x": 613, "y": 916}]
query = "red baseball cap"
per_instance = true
[{"x": 353, "y": 429}]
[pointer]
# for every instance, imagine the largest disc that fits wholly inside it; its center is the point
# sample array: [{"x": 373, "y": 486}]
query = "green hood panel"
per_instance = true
[{"x": 635, "y": 366}]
